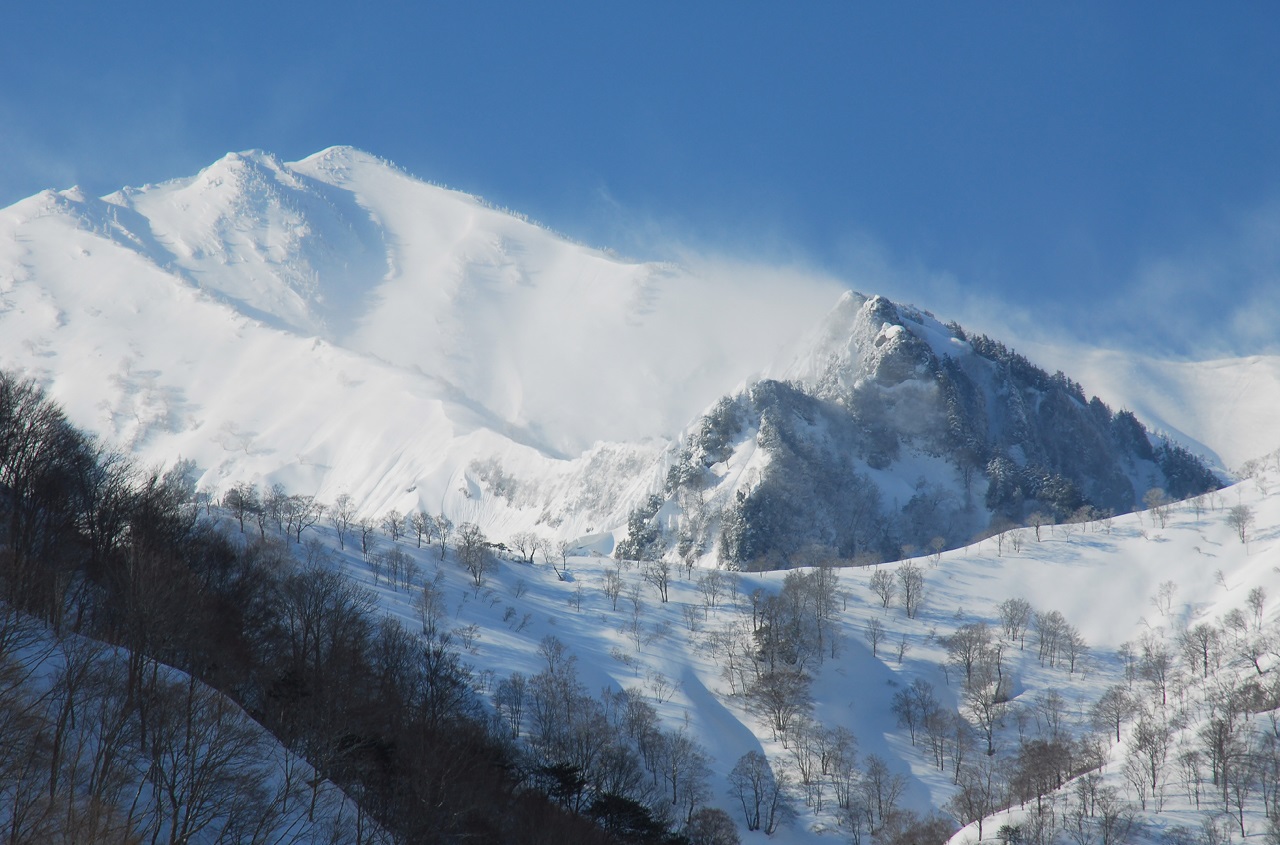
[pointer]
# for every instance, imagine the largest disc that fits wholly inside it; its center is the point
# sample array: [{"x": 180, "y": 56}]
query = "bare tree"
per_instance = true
[
  {"x": 1113, "y": 709},
  {"x": 304, "y": 512},
  {"x": 393, "y": 524},
  {"x": 1200, "y": 645},
  {"x": 342, "y": 515},
  {"x": 564, "y": 548},
  {"x": 526, "y": 543},
  {"x": 1241, "y": 519},
  {"x": 881, "y": 789},
  {"x": 875, "y": 634},
  {"x": 1257, "y": 599},
  {"x": 981, "y": 792},
  {"x": 1036, "y": 520},
  {"x": 915, "y": 706},
  {"x": 1015, "y": 617},
  {"x": 1158, "y": 504},
  {"x": 366, "y": 527},
  {"x": 711, "y": 585},
  {"x": 912, "y": 581},
  {"x": 509, "y": 700},
  {"x": 444, "y": 530},
  {"x": 423, "y": 525},
  {"x": 763, "y": 797},
  {"x": 712, "y": 826},
  {"x": 658, "y": 573},
  {"x": 884, "y": 586},
  {"x": 613, "y": 584},
  {"x": 1156, "y": 666},
  {"x": 968, "y": 649},
  {"x": 474, "y": 553},
  {"x": 242, "y": 500},
  {"x": 781, "y": 696}
]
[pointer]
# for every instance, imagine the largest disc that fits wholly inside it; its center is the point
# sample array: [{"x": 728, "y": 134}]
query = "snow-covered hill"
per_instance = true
[
  {"x": 339, "y": 326},
  {"x": 1120, "y": 590}
]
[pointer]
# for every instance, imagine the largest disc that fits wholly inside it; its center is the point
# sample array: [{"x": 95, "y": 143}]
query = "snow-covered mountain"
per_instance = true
[
  {"x": 338, "y": 326},
  {"x": 889, "y": 431}
]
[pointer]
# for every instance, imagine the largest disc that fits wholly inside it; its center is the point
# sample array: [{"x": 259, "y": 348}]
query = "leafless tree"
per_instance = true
[
  {"x": 912, "y": 581},
  {"x": 914, "y": 706},
  {"x": 393, "y": 524},
  {"x": 1114, "y": 708},
  {"x": 564, "y": 548},
  {"x": 762, "y": 795},
  {"x": 712, "y": 826},
  {"x": 423, "y": 525},
  {"x": 1156, "y": 666},
  {"x": 613, "y": 584},
  {"x": 1015, "y": 617},
  {"x": 342, "y": 515},
  {"x": 658, "y": 574},
  {"x": 304, "y": 512},
  {"x": 968, "y": 649},
  {"x": 444, "y": 530},
  {"x": 1200, "y": 645},
  {"x": 881, "y": 789},
  {"x": 366, "y": 527},
  {"x": 242, "y": 500},
  {"x": 1036, "y": 520},
  {"x": 1149, "y": 751},
  {"x": 875, "y": 634},
  {"x": 1158, "y": 504},
  {"x": 884, "y": 586},
  {"x": 781, "y": 696},
  {"x": 711, "y": 585},
  {"x": 981, "y": 792},
  {"x": 474, "y": 553},
  {"x": 1241, "y": 519},
  {"x": 526, "y": 543}
]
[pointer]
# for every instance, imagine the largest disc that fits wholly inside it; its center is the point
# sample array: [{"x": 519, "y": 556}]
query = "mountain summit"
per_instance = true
[
  {"x": 891, "y": 433},
  {"x": 338, "y": 326}
]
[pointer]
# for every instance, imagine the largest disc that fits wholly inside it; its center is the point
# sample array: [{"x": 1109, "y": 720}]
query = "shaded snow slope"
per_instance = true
[{"x": 1104, "y": 578}]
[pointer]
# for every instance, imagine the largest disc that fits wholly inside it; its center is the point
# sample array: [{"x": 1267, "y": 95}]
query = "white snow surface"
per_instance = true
[
  {"x": 339, "y": 326},
  {"x": 1102, "y": 577}
]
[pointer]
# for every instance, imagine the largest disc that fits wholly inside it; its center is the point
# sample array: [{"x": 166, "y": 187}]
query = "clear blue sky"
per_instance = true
[{"x": 1078, "y": 161}]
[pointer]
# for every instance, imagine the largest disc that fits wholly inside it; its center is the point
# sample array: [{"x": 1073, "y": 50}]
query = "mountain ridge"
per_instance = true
[{"x": 338, "y": 326}]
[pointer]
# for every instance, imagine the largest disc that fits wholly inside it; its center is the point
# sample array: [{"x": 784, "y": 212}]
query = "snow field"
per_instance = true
[{"x": 1103, "y": 578}]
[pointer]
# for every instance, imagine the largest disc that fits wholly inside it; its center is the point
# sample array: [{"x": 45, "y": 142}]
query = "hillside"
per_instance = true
[
  {"x": 338, "y": 326},
  {"x": 830, "y": 699},
  {"x": 1117, "y": 592},
  {"x": 500, "y": 435}
]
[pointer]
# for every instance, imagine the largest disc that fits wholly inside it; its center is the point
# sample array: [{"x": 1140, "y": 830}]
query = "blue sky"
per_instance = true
[{"x": 1110, "y": 170}]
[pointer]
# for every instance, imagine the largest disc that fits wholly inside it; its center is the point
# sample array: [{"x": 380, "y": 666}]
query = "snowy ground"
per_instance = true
[{"x": 1104, "y": 579}]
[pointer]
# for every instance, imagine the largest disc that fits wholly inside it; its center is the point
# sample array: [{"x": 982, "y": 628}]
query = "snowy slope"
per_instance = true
[
  {"x": 338, "y": 326},
  {"x": 1104, "y": 578}
]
